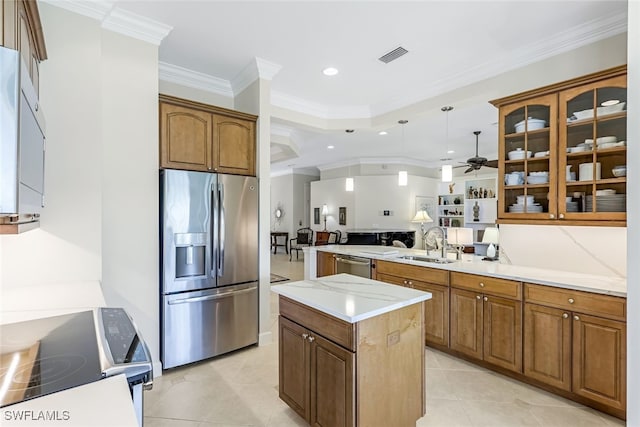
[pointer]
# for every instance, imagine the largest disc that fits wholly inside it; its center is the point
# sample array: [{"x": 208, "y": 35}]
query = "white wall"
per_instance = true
[
  {"x": 282, "y": 196},
  {"x": 633, "y": 214},
  {"x": 99, "y": 95},
  {"x": 372, "y": 196}
]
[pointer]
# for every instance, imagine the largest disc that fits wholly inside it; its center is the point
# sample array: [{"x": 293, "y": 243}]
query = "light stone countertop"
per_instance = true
[
  {"x": 350, "y": 298},
  {"x": 474, "y": 265}
]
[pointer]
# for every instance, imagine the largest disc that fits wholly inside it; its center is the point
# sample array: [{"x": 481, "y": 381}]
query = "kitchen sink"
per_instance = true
[{"x": 427, "y": 259}]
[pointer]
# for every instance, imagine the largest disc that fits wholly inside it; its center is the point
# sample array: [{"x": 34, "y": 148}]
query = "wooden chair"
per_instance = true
[{"x": 304, "y": 238}]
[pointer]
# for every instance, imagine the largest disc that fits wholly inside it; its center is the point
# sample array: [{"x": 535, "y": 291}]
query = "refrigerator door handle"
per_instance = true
[
  {"x": 211, "y": 297},
  {"x": 221, "y": 228}
]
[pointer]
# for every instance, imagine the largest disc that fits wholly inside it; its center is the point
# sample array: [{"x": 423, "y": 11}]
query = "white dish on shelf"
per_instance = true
[
  {"x": 610, "y": 109},
  {"x": 619, "y": 171},
  {"x": 537, "y": 180},
  {"x": 606, "y": 139},
  {"x": 611, "y": 145},
  {"x": 541, "y": 154},
  {"x": 521, "y": 199},
  {"x": 532, "y": 124},
  {"x": 578, "y": 149},
  {"x": 606, "y": 192},
  {"x": 518, "y": 154}
]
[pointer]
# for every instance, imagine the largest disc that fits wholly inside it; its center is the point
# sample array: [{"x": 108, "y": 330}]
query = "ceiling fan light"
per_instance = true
[
  {"x": 403, "y": 178},
  {"x": 447, "y": 173}
]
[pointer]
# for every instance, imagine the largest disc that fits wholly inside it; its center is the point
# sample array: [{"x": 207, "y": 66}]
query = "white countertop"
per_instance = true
[
  {"x": 474, "y": 265},
  {"x": 101, "y": 403},
  {"x": 350, "y": 298}
]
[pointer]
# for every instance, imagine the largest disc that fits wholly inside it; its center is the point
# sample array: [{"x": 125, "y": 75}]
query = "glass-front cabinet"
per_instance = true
[
  {"x": 563, "y": 153},
  {"x": 593, "y": 147},
  {"x": 527, "y": 186}
]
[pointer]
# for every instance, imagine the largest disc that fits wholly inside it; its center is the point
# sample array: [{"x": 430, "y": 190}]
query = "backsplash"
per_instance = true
[{"x": 589, "y": 250}]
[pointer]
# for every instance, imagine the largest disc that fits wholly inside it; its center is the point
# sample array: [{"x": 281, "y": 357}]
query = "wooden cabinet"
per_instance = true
[
  {"x": 22, "y": 31},
  {"x": 200, "y": 137},
  {"x": 576, "y": 341},
  {"x": 316, "y": 376},
  {"x": 325, "y": 264},
  {"x": 433, "y": 280},
  {"x": 335, "y": 373},
  {"x": 322, "y": 238},
  {"x": 486, "y": 319},
  {"x": 554, "y": 164}
]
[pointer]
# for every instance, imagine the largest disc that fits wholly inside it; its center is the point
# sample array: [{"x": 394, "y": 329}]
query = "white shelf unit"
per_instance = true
[
  {"x": 475, "y": 192},
  {"x": 451, "y": 210}
]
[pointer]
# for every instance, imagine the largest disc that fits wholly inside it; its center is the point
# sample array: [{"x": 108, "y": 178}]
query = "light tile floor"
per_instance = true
[{"x": 241, "y": 389}]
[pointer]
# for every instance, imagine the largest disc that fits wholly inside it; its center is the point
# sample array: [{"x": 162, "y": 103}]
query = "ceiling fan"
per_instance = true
[{"x": 476, "y": 162}]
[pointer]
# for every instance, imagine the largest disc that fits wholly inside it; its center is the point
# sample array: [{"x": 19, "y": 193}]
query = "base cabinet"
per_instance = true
[
  {"x": 325, "y": 264},
  {"x": 369, "y": 373},
  {"x": 576, "y": 341},
  {"x": 435, "y": 281},
  {"x": 316, "y": 376}
]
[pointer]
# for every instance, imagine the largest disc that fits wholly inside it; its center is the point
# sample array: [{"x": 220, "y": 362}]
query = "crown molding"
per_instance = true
[
  {"x": 292, "y": 171},
  {"x": 258, "y": 68},
  {"x": 183, "y": 76},
  {"x": 375, "y": 161},
  {"x": 117, "y": 20},
  {"x": 93, "y": 9},
  {"x": 322, "y": 111},
  {"x": 136, "y": 26}
]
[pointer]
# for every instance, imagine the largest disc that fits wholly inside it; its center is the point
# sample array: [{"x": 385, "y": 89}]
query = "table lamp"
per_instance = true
[
  {"x": 325, "y": 212},
  {"x": 459, "y": 237},
  {"x": 422, "y": 217},
  {"x": 491, "y": 236}
]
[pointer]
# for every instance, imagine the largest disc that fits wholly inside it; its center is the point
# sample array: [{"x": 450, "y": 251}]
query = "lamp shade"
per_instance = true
[
  {"x": 422, "y": 216},
  {"x": 325, "y": 210},
  {"x": 491, "y": 235},
  {"x": 460, "y": 236}
]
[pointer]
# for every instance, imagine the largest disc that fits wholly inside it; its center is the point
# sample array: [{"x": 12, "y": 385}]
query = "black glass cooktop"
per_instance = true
[{"x": 43, "y": 356}]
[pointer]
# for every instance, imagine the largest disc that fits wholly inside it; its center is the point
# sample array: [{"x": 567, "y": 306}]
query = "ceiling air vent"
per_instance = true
[{"x": 394, "y": 54}]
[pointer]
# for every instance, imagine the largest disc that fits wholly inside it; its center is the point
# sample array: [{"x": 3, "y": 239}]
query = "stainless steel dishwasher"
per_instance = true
[{"x": 357, "y": 266}]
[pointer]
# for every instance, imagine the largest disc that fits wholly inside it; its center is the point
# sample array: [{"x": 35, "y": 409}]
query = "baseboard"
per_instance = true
[{"x": 265, "y": 338}]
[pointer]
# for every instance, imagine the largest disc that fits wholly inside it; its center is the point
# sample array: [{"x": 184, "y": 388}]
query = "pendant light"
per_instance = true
[
  {"x": 348, "y": 183},
  {"x": 403, "y": 178},
  {"x": 447, "y": 169}
]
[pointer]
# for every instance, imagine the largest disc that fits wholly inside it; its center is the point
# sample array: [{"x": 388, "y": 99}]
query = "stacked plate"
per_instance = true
[
  {"x": 534, "y": 207},
  {"x": 608, "y": 203},
  {"x": 572, "y": 207}
]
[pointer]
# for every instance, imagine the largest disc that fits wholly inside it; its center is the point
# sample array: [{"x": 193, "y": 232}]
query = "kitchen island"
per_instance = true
[{"x": 351, "y": 351}]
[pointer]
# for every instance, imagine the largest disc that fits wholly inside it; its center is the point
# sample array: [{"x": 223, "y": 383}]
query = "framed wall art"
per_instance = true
[
  {"x": 342, "y": 215},
  {"x": 316, "y": 215}
]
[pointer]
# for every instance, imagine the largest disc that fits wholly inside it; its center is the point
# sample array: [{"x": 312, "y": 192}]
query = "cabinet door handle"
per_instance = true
[
  {"x": 552, "y": 216},
  {"x": 576, "y": 318},
  {"x": 571, "y": 300},
  {"x": 561, "y": 216},
  {"x": 486, "y": 298},
  {"x": 311, "y": 339},
  {"x": 565, "y": 316},
  {"x": 481, "y": 285},
  {"x": 478, "y": 297},
  {"x": 305, "y": 336}
]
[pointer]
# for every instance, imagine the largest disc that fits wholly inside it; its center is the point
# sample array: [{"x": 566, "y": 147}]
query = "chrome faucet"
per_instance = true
[{"x": 443, "y": 249}]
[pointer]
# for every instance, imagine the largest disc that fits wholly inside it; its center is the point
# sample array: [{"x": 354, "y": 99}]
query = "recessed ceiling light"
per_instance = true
[
  {"x": 330, "y": 71},
  {"x": 331, "y": 147},
  {"x": 382, "y": 132},
  {"x": 450, "y": 152}
]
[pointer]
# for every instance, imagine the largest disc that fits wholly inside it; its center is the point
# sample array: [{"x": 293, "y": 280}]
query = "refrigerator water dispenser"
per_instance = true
[{"x": 190, "y": 255}]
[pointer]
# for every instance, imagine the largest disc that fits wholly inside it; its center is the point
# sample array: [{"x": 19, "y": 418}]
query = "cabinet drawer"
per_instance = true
[
  {"x": 425, "y": 274},
  {"x": 584, "y": 302},
  {"x": 488, "y": 285},
  {"x": 336, "y": 330}
]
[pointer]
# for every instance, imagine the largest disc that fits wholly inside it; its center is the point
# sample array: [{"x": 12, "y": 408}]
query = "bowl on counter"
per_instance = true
[
  {"x": 531, "y": 124},
  {"x": 619, "y": 171},
  {"x": 518, "y": 154}
]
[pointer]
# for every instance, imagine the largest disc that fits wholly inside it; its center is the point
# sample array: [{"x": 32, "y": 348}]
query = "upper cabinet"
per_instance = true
[
  {"x": 562, "y": 152},
  {"x": 22, "y": 31},
  {"x": 200, "y": 137}
]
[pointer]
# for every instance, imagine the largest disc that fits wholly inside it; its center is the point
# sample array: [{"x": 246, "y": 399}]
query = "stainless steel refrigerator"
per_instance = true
[{"x": 209, "y": 263}]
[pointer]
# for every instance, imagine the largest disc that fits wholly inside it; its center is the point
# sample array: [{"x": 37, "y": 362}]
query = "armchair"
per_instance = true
[
  {"x": 304, "y": 238},
  {"x": 334, "y": 237}
]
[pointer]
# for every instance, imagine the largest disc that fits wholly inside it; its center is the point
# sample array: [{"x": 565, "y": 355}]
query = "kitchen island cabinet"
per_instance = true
[
  {"x": 205, "y": 138},
  {"x": 339, "y": 337},
  {"x": 326, "y": 264}
]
